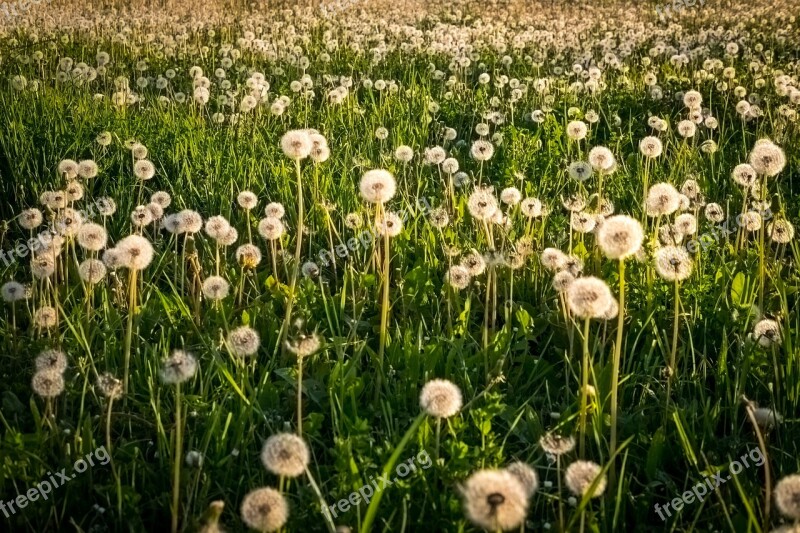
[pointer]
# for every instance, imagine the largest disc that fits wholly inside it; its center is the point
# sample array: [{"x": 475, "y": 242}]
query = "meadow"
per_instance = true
[{"x": 375, "y": 265}]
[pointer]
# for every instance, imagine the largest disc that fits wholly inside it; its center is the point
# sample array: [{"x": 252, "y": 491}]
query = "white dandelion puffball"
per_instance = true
[{"x": 377, "y": 186}]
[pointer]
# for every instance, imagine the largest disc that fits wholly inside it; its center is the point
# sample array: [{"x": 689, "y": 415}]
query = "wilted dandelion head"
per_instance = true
[
  {"x": 109, "y": 386},
  {"x": 264, "y": 510},
  {"x": 580, "y": 476},
  {"x": 787, "y": 496},
  {"x": 389, "y": 224},
  {"x": 248, "y": 256},
  {"x": 686, "y": 224},
  {"x": 92, "y": 271},
  {"x": 54, "y": 360},
  {"x": 440, "y": 398},
  {"x": 556, "y": 444},
  {"x": 377, "y": 186},
  {"x": 526, "y": 475},
  {"x": 13, "y": 291},
  {"x": 296, "y": 144},
  {"x": 482, "y": 204},
  {"x": 180, "y": 366},
  {"x": 136, "y": 252},
  {"x": 780, "y": 231},
  {"x": 458, "y": 277},
  {"x": 620, "y": 236},
  {"x": 580, "y": 170},
  {"x": 144, "y": 169},
  {"x": 247, "y": 200},
  {"x": 673, "y": 263},
  {"x": 589, "y": 297},
  {"x": 303, "y": 345},
  {"x": 285, "y": 454},
  {"x": 270, "y": 228},
  {"x": 482, "y": 150},
  {"x": 767, "y": 332},
  {"x": 601, "y": 159},
  {"x": 767, "y": 159},
  {"x": 495, "y": 500},
  {"x": 662, "y": 199},
  {"x": 30, "y": 219},
  {"x": 651, "y": 147},
  {"x": 243, "y": 341},
  {"x": 715, "y": 213},
  {"x": 216, "y": 288},
  {"x": 48, "y": 383}
]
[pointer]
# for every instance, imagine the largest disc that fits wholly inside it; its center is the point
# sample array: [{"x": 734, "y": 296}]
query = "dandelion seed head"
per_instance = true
[
  {"x": 662, "y": 199},
  {"x": 161, "y": 198},
  {"x": 787, "y": 496},
  {"x": 601, "y": 159},
  {"x": 589, "y": 297},
  {"x": 180, "y": 366},
  {"x": 303, "y": 345},
  {"x": 13, "y": 291},
  {"x": 243, "y": 341},
  {"x": 482, "y": 204},
  {"x": 767, "y": 159},
  {"x": 440, "y": 398},
  {"x": 247, "y": 200},
  {"x": 579, "y": 477},
  {"x": 620, "y": 237},
  {"x": 377, "y": 186},
  {"x": 285, "y": 454},
  {"x": 54, "y": 360},
  {"x": 144, "y": 169},
  {"x": 30, "y": 219},
  {"x": 580, "y": 170},
  {"x": 767, "y": 332},
  {"x": 651, "y": 147},
  {"x": 271, "y": 228},
  {"x": 216, "y": 288},
  {"x": 673, "y": 263},
  {"x": 48, "y": 383},
  {"x": 248, "y": 256},
  {"x": 136, "y": 251},
  {"x": 781, "y": 231},
  {"x": 264, "y": 510},
  {"x": 556, "y": 444},
  {"x": 92, "y": 271},
  {"x": 274, "y": 209},
  {"x": 109, "y": 386},
  {"x": 495, "y": 500}
]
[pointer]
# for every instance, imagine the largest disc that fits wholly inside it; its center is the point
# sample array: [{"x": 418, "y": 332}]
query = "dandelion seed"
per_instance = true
[
  {"x": 651, "y": 147},
  {"x": 580, "y": 170},
  {"x": 275, "y": 210},
  {"x": 781, "y": 231},
  {"x": 271, "y": 228},
  {"x": 144, "y": 169},
  {"x": 482, "y": 150},
  {"x": 714, "y": 213},
  {"x": 686, "y": 224},
  {"x": 601, "y": 159},
  {"x": 247, "y": 200},
  {"x": 510, "y": 196},
  {"x": 767, "y": 159},
  {"x": 553, "y": 259},
  {"x": 136, "y": 252},
  {"x": 161, "y": 198},
  {"x": 404, "y": 154},
  {"x": 389, "y": 224},
  {"x": 744, "y": 175},
  {"x": 189, "y": 221},
  {"x": 12, "y": 291},
  {"x": 30, "y": 219},
  {"x": 751, "y": 221}
]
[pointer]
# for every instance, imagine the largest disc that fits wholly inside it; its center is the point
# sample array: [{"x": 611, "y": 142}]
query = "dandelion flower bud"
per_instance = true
[
  {"x": 495, "y": 500},
  {"x": 580, "y": 476},
  {"x": 440, "y": 398},
  {"x": 180, "y": 366},
  {"x": 285, "y": 454},
  {"x": 296, "y": 144},
  {"x": 589, "y": 297},
  {"x": 673, "y": 263},
  {"x": 377, "y": 186},
  {"x": 48, "y": 383},
  {"x": 264, "y": 510}
]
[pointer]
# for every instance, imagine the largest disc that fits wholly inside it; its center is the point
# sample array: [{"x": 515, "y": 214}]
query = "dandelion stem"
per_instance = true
[
  {"x": 176, "y": 480},
  {"x": 584, "y": 387},
  {"x": 615, "y": 369}
]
